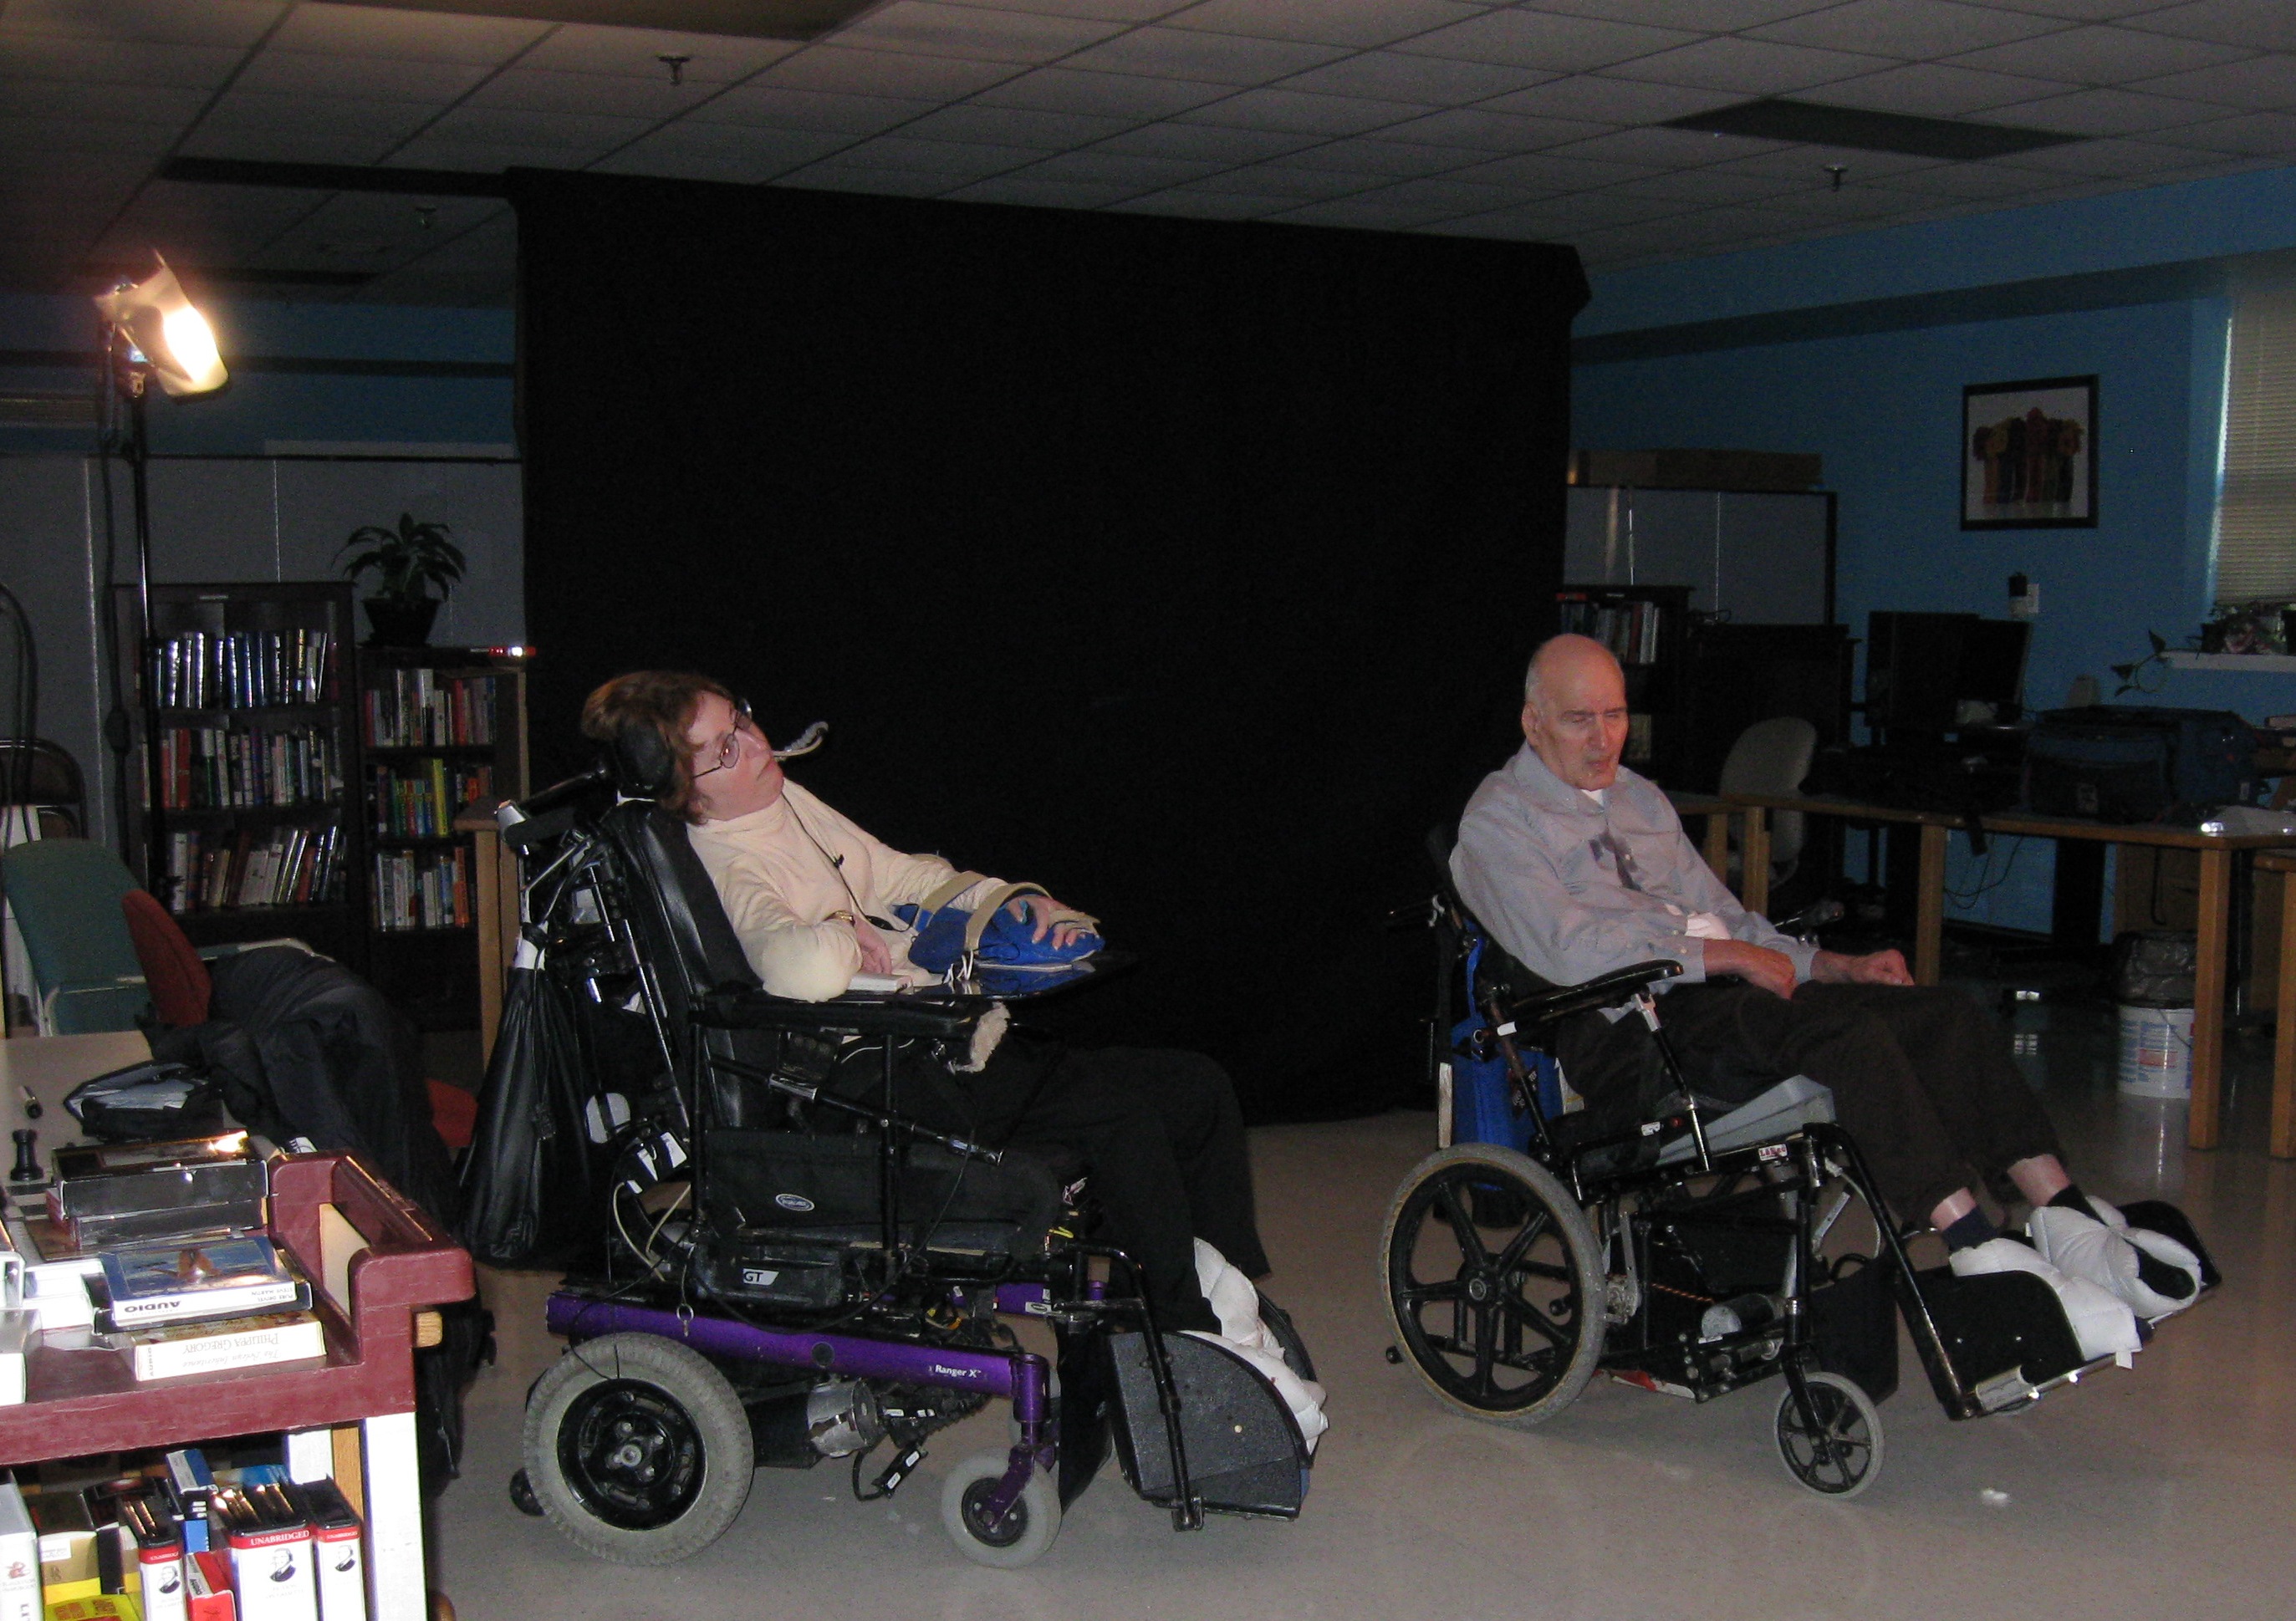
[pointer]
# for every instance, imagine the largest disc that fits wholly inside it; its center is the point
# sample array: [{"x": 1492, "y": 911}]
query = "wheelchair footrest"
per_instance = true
[
  {"x": 1243, "y": 1450},
  {"x": 2000, "y": 1335}
]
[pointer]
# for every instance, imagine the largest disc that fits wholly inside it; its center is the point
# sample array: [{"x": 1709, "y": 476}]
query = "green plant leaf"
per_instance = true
[{"x": 2158, "y": 645}]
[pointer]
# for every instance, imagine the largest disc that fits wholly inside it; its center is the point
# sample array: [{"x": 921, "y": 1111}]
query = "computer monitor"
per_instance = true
[{"x": 1922, "y": 667}]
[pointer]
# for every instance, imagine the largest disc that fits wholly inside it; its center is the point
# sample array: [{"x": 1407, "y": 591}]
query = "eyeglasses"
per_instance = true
[{"x": 727, "y": 752}]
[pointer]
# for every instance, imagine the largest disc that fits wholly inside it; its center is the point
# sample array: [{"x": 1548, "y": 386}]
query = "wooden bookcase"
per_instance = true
[
  {"x": 439, "y": 728},
  {"x": 245, "y": 692},
  {"x": 1647, "y": 627}
]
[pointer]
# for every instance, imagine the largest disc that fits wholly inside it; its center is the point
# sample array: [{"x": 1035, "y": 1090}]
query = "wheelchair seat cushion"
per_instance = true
[
  {"x": 1784, "y": 1109},
  {"x": 826, "y": 1187}
]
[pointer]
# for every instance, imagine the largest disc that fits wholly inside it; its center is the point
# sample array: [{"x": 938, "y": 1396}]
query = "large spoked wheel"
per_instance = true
[
  {"x": 637, "y": 1449},
  {"x": 1024, "y": 1532},
  {"x": 1835, "y": 1448},
  {"x": 1494, "y": 1283}
]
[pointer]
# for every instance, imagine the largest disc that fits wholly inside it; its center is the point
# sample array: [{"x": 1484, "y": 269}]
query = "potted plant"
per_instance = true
[{"x": 407, "y": 562}]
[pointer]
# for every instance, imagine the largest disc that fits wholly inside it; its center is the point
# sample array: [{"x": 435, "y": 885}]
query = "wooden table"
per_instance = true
[
  {"x": 2283, "y": 1139},
  {"x": 2204, "y": 1125},
  {"x": 496, "y": 883}
]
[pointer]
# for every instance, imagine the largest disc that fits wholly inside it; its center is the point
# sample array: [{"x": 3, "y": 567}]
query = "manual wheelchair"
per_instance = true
[
  {"x": 794, "y": 1269},
  {"x": 1700, "y": 1249}
]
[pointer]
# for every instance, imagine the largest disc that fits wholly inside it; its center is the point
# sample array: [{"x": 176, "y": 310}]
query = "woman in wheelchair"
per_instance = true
[
  {"x": 1579, "y": 867},
  {"x": 817, "y": 902}
]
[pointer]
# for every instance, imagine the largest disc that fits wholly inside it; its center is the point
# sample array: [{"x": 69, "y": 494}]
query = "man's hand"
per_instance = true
[
  {"x": 1875, "y": 968},
  {"x": 1758, "y": 965},
  {"x": 876, "y": 956},
  {"x": 1042, "y": 908}
]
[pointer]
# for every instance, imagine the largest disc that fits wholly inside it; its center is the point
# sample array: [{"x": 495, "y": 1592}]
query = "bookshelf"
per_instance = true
[
  {"x": 1647, "y": 628},
  {"x": 242, "y": 696},
  {"x": 439, "y": 728}
]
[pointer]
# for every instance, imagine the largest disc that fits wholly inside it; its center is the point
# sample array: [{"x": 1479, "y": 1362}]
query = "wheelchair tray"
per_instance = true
[{"x": 2000, "y": 1339}]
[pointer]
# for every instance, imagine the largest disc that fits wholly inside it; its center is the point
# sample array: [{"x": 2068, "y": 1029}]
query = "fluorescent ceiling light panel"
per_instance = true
[{"x": 1811, "y": 123}]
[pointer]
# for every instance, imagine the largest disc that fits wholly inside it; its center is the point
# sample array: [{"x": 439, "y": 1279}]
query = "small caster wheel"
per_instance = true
[
  {"x": 1394, "y": 1357},
  {"x": 522, "y": 1497},
  {"x": 1841, "y": 1453},
  {"x": 1021, "y": 1536}
]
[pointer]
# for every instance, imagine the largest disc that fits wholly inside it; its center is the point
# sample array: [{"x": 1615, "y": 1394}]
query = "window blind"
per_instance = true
[{"x": 2256, "y": 510}]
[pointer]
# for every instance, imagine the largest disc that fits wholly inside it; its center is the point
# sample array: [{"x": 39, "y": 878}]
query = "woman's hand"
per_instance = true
[
  {"x": 1044, "y": 908},
  {"x": 876, "y": 955}
]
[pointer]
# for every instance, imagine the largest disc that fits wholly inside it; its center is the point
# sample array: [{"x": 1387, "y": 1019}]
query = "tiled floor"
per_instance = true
[{"x": 2166, "y": 1491}]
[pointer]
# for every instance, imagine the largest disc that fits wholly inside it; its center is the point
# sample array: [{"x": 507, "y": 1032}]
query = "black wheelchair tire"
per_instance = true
[
  {"x": 1024, "y": 1534},
  {"x": 647, "y": 1398},
  {"x": 1463, "y": 1186},
  {"x": 1852, "y": 1424}
]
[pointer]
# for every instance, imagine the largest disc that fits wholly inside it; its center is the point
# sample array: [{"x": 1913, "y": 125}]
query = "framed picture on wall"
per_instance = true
[{"x": 2028, "y": 454}]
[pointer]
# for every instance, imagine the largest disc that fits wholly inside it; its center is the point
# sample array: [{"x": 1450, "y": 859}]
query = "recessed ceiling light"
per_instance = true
[{"x": 1814, "y": 124}]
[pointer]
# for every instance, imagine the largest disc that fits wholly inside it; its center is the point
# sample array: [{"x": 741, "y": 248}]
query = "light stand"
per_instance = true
[{"x": 151, "y": 330}]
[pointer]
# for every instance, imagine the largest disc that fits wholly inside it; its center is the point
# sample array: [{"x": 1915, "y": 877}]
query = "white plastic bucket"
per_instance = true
[{"x": 2156, "y": 1051}]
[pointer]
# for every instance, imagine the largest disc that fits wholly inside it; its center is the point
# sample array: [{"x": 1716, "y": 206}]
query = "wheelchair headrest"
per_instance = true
[{"x": 641, "y": 763}]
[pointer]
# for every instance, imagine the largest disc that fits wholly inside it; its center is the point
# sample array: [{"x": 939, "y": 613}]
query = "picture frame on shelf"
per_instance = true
[{"x": 2028, "y": 454}]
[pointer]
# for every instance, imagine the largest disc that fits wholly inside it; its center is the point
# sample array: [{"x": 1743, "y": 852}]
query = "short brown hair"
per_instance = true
[{"x": 664, "y": 700}]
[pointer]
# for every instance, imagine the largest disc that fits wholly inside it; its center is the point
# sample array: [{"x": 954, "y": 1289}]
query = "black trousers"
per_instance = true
[
  {"x": 1920, "y": 1076},
  {"x": 1162, "y": 1140}
]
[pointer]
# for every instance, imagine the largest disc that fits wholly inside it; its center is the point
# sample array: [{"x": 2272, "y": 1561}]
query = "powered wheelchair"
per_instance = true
[
  {"x": 1701, "y": 1248},
  {"x": 794, "y": 1269}
]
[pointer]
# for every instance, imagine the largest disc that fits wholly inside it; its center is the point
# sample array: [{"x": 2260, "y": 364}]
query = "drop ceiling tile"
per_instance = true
[
  {"x": 2255, "y": 135},
  {"x": 841, "y": 175},
  {"x": 372, "y": 78},
  {"x": 287, "y": 119},
  {"x": 1543, "y": 175},
  {"x": 1585, "y": 210},
  {"x": 1717, "y": 16},
  {"x": 1498, "y": 132},
  {"x": 1095, "y": 11},
  {"x": 1502, "y": 226},
  {"x": 1016, "y": 127},
  {"x": 1027, "y": 189},
  {"x": 2079, "y": 11},
  {"x": 214, "y": 22},
  {"x": 712, "y": 59},
  {"x": 1916, "y": 29},
  {"x": 834, "y": 68},
  {"x": 116, "y": 62},
  {"x": 2262, "y": 25},
  {"x": 958, "y": 159},
  {"x": 1132, "y": 173},
  {"x": 367, "y": 30},
  {"x": 924, "y": 28},
  {"x": 1223, "y": 58},
  {"x": 1432, "y": 81},
  {"x": 1751, "y": 67},
  {"x": 2104, "y": 112},
  {"x": 1199, "y": 140},
  {"x": 319, "y": 142},
  {"x": 782, "y": 108},
  {"x": 1931, "y": 90},
  {"x": 2106, "y": 159},
  {"x": 1296, "y": 112},
  {"x": 1528, "y": 39},
  {"x": 1977, "y": 181},
  {"x": 1852, "y": 202},
  {"x": 1604, "y": 99},
  {"x": 548, "y": 90},
  {"x": 1296, "y": 185},
  {"x": 515, "y": 127},
  {"x": 1120, "y": 95},
  {"x": 1205, "y": 205},
  {"x": 1369, "y": 212},
  {"x": 1449, "y": 197},
  {"x": 1796, "y": 161},
  {"x": 1399, "y": 159},
  {"x": 166, "y": 107},
  {"x": 2101, "y": 55},
  {"x": 1359, "y": 23},
  {"x": 1659, "y": 148},
  {"x": 2261, "y": 83},
  {"x": 740, "y": 152},
  {"x": 1707, "y": 187}
]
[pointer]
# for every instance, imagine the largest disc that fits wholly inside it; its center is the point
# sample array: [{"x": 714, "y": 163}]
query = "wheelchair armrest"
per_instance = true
[
  {"x": 1607, "y": 990},
  {"x": 734, "y": 1007}
]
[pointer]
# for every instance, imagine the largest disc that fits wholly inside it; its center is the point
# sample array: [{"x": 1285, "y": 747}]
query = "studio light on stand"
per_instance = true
[{"x": 151, "y": 332}]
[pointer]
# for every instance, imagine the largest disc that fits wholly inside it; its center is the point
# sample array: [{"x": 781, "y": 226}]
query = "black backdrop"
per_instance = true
[{"x": 1185, "y": 568}]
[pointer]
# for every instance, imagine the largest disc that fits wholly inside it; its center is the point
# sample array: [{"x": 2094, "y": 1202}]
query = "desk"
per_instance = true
[
  {"x": 2204, "y": 1126},
  {"x": 49, "y": 1067}
]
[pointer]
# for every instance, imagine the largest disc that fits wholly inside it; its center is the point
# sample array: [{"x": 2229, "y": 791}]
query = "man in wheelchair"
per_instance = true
[
  {"x": 816, "y": 901},
  {"x": 1578, "y": 867}
]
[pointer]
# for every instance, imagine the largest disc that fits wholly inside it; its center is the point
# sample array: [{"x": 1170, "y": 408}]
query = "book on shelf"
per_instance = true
[
  {"x": 231, "y": 1277},
  {"x": 270, "y": 1543},
  {"x": 420, "y": 802},
  {"x": 419, "y": 708},
  {"x": 422, "y": 889},
  {"x": 215, "y": 767},
  {"x": 223, "y": 870},
  {"x": 1629, "y": 626},
  {"x": 177, "y": 1350},
  {"x": 207, "y": 1580},
  {"x": 198, "y": 670}
]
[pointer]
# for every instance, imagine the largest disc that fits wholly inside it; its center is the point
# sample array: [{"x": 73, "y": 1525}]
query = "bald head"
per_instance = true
[{"x": 1574, "y": 710}]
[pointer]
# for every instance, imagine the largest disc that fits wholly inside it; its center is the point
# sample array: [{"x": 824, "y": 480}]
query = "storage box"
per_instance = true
[
  {"x": 338, "y": 1550},
  {"x": 19, "y": 1558},
  {"x": 68, "y": 1567},
  {"x": 270, "y": 1554},
  {"x": 118, "y": 1195}
]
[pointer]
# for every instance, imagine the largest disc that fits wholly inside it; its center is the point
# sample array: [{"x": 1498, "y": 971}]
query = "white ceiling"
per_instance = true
[{"x": 1529, "y": 122}]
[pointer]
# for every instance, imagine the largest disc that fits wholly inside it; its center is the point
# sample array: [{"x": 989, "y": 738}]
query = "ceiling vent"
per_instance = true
[{"x": 1809, "y": 123}]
